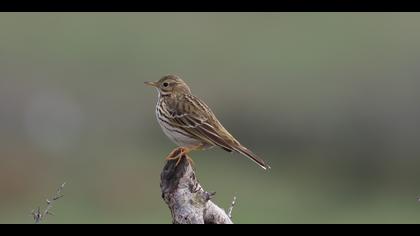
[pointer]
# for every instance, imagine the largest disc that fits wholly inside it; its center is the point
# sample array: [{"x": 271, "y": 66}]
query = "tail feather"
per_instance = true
[{"x": 248, "y": 153}]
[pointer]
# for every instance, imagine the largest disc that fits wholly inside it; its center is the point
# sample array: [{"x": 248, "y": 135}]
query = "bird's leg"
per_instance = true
[
  {"x": 178, "y": 153},
  {"x": 189, "y": 159},
  {"x": 174, "y": 155},
  {"x": 184, "y": 152}
]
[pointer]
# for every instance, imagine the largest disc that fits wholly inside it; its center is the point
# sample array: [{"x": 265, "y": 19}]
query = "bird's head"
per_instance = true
[{"x": 170, "y": 84}]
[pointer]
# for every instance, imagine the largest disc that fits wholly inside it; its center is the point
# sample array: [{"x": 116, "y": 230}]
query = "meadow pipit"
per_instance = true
[{"x": 190, "y": 123}]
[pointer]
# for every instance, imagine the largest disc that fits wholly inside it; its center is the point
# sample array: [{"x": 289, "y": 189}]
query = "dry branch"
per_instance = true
[
  {"x": 187, "y": 200},
  {"x": 231, "y": 207},
  {"x": 41, "y": 215}
]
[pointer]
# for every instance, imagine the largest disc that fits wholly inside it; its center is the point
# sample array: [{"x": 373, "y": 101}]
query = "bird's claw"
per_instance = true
[{"x": 177, "y": 154}]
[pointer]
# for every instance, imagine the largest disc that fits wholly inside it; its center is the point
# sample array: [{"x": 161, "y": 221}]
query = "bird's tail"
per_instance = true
[{"x": 248, "y": 153}]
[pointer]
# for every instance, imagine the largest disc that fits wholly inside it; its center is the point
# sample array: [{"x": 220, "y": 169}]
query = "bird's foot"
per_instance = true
[
  {"x": 178, "y": 153},
  {"x": 174, "y": 155}
]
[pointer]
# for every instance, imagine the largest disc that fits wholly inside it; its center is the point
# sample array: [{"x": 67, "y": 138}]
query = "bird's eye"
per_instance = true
[{"x": 165, "y": 84}]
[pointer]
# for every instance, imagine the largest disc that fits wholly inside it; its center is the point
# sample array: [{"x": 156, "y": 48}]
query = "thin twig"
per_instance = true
[
  {"x": 37, "y": 215},
  {"x": 229, "y": 213},
  {"x": 40, "y": 216}
]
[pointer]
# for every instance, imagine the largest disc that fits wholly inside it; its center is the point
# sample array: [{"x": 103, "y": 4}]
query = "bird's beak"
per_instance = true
[{"x": 154, "y": 84}]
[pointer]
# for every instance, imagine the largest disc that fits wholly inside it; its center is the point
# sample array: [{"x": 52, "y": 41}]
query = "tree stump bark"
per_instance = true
[{"x": 188, "y": 202}]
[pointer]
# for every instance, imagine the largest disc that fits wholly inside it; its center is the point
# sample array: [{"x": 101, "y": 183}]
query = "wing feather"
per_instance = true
[{"x": 196, "y": 119}]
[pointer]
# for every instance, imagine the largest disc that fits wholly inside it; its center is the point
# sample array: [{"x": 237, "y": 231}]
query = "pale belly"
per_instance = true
[{"x": 176, "y": 136}]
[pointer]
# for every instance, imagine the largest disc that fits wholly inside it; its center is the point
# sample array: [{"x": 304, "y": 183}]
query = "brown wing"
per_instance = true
[{"x": 196, "y": 118}]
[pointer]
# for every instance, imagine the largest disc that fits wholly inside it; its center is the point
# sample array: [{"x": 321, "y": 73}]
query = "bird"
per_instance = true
[{"x": 190, "y": 123}]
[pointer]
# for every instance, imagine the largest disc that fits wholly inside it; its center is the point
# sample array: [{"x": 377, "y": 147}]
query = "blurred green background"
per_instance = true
[{"x": 331, "y": 100}]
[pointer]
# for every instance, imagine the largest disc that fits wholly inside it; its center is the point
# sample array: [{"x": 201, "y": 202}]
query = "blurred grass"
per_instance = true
[{"x": 329, "y": 99}]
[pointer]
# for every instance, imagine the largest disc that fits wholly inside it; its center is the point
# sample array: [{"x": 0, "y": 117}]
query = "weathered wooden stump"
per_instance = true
[{"x": 188, "y": 201}]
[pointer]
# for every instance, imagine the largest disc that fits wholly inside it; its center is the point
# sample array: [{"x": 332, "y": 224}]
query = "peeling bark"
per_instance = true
[{"x": 188, "y": 201}]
